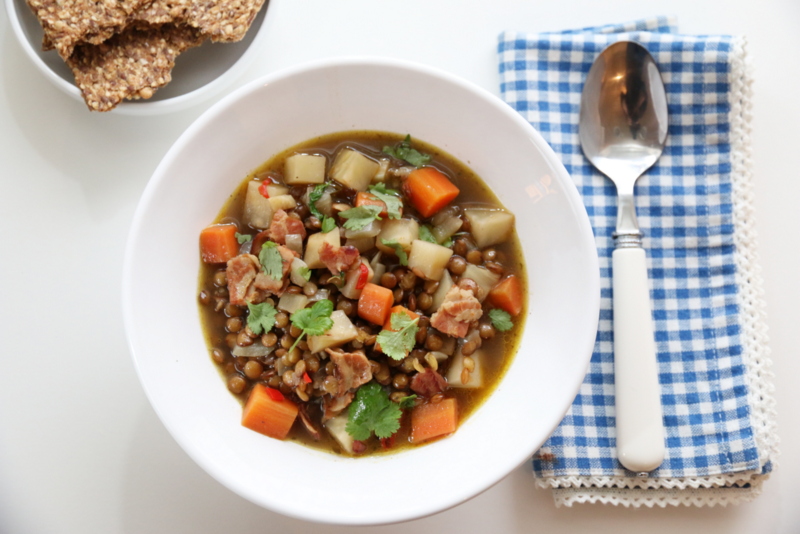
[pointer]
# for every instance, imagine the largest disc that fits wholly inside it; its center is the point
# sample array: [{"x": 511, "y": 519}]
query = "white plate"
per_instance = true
[{"x": 242, "y": 131}]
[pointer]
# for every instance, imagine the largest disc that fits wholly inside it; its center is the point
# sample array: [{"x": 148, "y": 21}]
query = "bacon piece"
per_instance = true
[
  {"x": 241, "y": 272},
  {"x": 352, "y": 369},
  {"x": 264, "y": 285},
  {"x": 339, "y": 259},
  {"x": 428, "y": 383},
  {"x": 282, "y": 225},
  {"x": 458, "y": 310},
  {"x": 333, "y": 406}
]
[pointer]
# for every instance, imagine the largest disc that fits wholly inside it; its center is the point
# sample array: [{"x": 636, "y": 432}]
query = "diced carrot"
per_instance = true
[
  {"x": 507, "y": 295},
  {"x": 398, "y": 309},
  {"x": 429, "y": 190},
  {"x": 432, "y": 420},
  {"x": 270, "y": 416},
  {"x": 218, "y": 243},
  {"x": 368, "y": 199},
  {"x": 375, "y": 303}
]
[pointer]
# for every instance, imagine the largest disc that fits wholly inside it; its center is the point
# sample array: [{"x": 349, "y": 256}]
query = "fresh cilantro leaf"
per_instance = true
[
  {"x": 305, "y": 272},
  {"x": 407, "y": 402},
  {"x": 448, "y": 242},
  {"x": 271, "y": 260},
  {"x": 398, "y": 249},
  {"x": 501, "y": 319},
  {"x": 372, "y": 411},
  {"x": 390, "y": 197},
  {"x": 313, "y": 197},
  {"x": 243, "y": 238},
  {"x": 425, "y": 234},
  {"x": 403, "y": 151},
  {"x": 328, "y": 224},
  {"x": 399, "y": 341},
  {"x": 313, "y": 321},
  {"x": 358, "y": 218},
  {"x": 261, "y": 317}
]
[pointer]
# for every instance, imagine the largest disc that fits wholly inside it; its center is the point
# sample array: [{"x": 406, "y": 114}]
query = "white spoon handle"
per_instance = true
[{"x": 640, "y": 430}]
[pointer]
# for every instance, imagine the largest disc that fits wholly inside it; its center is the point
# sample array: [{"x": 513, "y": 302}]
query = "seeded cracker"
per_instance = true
[
  {"x": 132, "y": 64},
  {"x": 220, "y": 20}
]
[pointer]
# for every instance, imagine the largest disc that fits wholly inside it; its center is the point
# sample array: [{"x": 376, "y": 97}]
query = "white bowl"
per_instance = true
[
  {"x": 199, "y": 74},
  {"x": 242, "y": 131}
]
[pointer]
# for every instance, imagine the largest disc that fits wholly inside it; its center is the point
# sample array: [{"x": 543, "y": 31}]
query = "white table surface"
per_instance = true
[{"x": 81, "y": 451}]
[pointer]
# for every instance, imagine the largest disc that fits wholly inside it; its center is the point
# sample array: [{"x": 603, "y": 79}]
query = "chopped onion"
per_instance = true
[
  {"x": 450, "y": 211},
  {"x": 296, "y": 272},
  {"x": 321, "y": 294},
  {"x": 291, "y": 302},
  {"x": 295, "y": 242},
  {"x": 446, "y": 228},
  {"x": 256, "y": 350},
  {"x": 370, "y": 230}
]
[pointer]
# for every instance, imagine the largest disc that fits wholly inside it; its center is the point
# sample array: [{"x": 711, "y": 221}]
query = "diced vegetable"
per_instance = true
[
  {"x": 282, "y": 202},
  {"x": 336, "y": 428},
  {"x": 295, "y": 242},
  {"x": 304, "y": 169},
  {"x": 432, "y": 420},
  {"x": 353, "y": 169},
  {"x": 428, "y": 260},
  {"x": 299, "y": 272},
  {"x": 340, "y": 333},
  {"x": 319, "y": 201},
  {"x": 257, "y": 209},
  {"x": 363, "y": 244},
  {"x": 455, "y": 373},
  {"x": 482, "y": 276},
  {"x": 374, "y": 303},
  {"x": 315, "y": 242},
  {"x": 356, "y": 280},
  {"x": 445, "y": 284},
  {"x": 321, "y": 294},
  {"x": 291, "y": 302},
  {"x": 256, "y": 350},
  {"x": 383, "y": 167},
  {"x": 270, "y": 416},
  {"x": 218, "y": 243},
  {"x": 398, "y": 309},
  {"x": 403, "y": 231},
  {"x": 447, "y": 228},
  {"x": 368, "y": 199},
  {"x": 370, "y": 230},
  {"x": 507, "y": 295},
  {"x": 429, "y": 190},
  {"x": 276, "y": 190},
  {"x": 489, "y": 227}
]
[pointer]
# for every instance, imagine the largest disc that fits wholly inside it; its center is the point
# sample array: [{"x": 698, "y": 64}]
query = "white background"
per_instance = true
[{"x": 81, "y": 451}]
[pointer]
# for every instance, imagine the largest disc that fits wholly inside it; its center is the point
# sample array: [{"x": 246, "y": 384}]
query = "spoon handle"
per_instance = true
[{"x": 640, "y": 431}]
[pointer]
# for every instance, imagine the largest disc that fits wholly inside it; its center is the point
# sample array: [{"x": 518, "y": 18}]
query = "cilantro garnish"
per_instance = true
[
  {"x": 358, "y": 218},
  {"x": 305, "y": 272},
  {"x": 398, "y": 249},
  {"x": 328, "y": 224},
  {"x": 407, "y": 402},
  {"x": 243, "y": 238},
  {"x": 390, "y": 197},
  {"x": 261, "y": 317},
  {"x": 448, "y": 242},
  {"x": 501, "y": 319},
  {"x": 425, "y": 234},
  {"x": 403, "y": 151},
  {"x": 399, "y": 341},
  {"x": 271, "y": 260},
  {"x": 372, "y": 411},
  {"x": 313, "y": 321},
  {"x": 313, "y": 197}
]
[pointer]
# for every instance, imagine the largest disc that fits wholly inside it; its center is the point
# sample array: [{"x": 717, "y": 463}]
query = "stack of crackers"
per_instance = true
[{"x": 126, "y": 49}]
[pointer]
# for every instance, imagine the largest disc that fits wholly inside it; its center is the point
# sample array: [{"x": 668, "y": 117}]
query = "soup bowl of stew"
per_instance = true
[{"x": 360, "y": 291}]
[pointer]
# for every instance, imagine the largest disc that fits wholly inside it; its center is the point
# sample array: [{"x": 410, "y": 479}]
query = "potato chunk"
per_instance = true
[
  {"x": 314, "y": 244},
  {"x": 353, "y": 169},
  {"x": 404, "y": 231},
  {"x": 428, "y": 260},
  {"x": 304, "y": 169},
  {"x": 340, "y": 333},
  {"x": 489, "y": 227},
  {"x": 455, "y": 371},
  {"x": 257, "y": 209}
]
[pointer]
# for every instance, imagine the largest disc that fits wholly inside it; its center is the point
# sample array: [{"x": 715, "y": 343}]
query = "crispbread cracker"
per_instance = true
[
  {"x": 221, "y": 20},
  {"x": 132, "y": 64}
]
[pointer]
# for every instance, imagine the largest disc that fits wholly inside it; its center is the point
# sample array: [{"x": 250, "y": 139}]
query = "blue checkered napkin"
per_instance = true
[{"x": 685, "y": 207}]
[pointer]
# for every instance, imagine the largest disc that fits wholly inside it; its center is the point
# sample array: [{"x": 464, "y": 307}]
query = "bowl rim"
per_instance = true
[
  {"x": 586, "y": 235},
  {"x": 155, "y": 107}
]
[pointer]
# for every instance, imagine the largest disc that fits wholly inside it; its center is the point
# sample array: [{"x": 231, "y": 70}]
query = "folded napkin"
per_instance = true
[{"x": 695, "y": 208}]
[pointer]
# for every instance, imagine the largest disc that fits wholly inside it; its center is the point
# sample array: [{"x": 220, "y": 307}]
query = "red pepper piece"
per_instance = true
[
  {"x": 275, "y": 395},
  {"x": 263, "y": 188},
  {"x": 362, "y": 276},
  {"x": 306, "y": 378}
]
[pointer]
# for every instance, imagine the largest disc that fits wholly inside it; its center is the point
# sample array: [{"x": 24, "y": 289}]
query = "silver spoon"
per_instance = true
[{"x": 623, "y": 129}]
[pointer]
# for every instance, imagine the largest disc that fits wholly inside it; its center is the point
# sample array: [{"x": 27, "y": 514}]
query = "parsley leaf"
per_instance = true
[
  {"x": 398, "y": 343},
  {"x": 403, "y": 151},
  {"x": 398, "y": 249},
  {"x": 313, "y": 197},
  {"x": 358, "y": 218},
  {"x": 261, "y": 317},
  {"x": 425, "y": 234},
  {"x": 372, "y": 411},
  {"x": 407, "y": 402},
  {"x": 271, "y": 260},
  {"x": 328, "y": 224},
  {"x": 243, "y": 238},
  {"x": 313, "y": 321},
  {"x": 390, "y": 197},
  {"x": 501, "y": 319}
]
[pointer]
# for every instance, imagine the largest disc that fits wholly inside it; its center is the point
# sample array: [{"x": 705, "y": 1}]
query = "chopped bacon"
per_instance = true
[
  {"x": 282, "y": 225},
  {"x": 241, "y": 272},
  {"x": 333, "y": 406},
  {"x": 339, "y": 259},
  {"x": 352, "y": 369},
  {"x": 428, "y": 383},
  {"x": 459, "y": 309}
]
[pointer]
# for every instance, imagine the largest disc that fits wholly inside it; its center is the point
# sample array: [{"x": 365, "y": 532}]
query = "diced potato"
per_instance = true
[
  {"x": 304, "y": 169},
  {"x": 353, "y": 169},
  {"x": 482, "y": 276},
  {"x": 370, "y": 230},
  {"x": 291, "y": 302},
  {"x": 404, "y": 231},
  {"x": 295, "y": 242},
  {"x": 282, "y": 202},
  {"x": 363, "y": 244},
  {"x": 314, "y": 243},
  {"x": 428, "y": 260},
  {"x": 349, "y": 289},
  {"x": 257, "y": 209},
  {"x": 336, "y": 428},
  {"x": 445, "y": 284},
  {"x": 276, "y": 190},
  {"x": 383, "y": 168},
  {"x": 489, "y": 227},
  {"x": 454, "y": 372},
  {"x": 340, "y": 333}
]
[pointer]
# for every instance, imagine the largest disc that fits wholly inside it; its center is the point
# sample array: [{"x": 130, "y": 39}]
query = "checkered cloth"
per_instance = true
[{"x": 713, "y": 365}]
